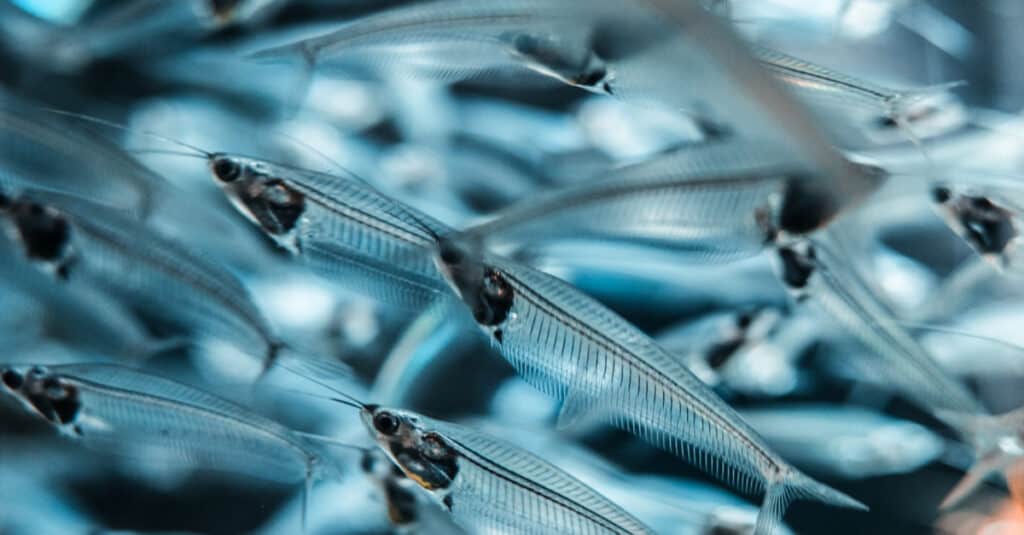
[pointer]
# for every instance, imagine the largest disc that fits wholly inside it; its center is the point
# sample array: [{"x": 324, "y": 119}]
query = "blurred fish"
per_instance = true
[
  {"x": 612, "y": 47},
  {"x": 78, "y": 316},
  {"x": 707, "y": 346},
  {"x": 120, "y": 411},
  {"x": 917, "y": 113},
  {"x": 984, "y": 217},
  {"x": 43, "y": 151},
  {"x": 716, "y": 202},
  {"x": 845, "y": 441},
  {"x": 86, "y": 244},
  {"x": 489, "y": 485},
  {"x": 455, "y": 40},
  {"x": 815, "y": 273},
  {"x": 606, "y": 368},
  {"x": 998, "y": 447}
]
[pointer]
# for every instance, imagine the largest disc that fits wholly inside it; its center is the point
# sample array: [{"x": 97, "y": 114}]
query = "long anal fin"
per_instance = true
[{"x": 581, "y": 409}]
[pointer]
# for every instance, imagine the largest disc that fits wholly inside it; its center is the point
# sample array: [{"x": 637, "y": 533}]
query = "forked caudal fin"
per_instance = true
[
  {"x": 793, "y": 486},
  {"x": 997, "y": 447}
]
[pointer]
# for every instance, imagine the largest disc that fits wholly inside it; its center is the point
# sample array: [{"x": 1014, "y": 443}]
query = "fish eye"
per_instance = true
[
  {"x": 941, "y": 194},
  {"x": 5, "y": 201},
  {"x": 451, "y": 255},
  {"x": 385, "y": 422},
  {"x": 226, "y": 169},
  {"x": 12, "y": 379}
]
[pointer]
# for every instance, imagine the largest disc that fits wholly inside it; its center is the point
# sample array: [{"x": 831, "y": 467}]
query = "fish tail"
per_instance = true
[
  {"x": 983, "y": 467},
  {"x": 983, "y": 432},
  {"x": 796, "y": 485},
  {"x": 776, "y": 500}
]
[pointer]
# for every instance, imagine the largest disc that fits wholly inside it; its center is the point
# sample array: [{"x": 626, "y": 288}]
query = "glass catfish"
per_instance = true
[{"x": 575, "y": 349}]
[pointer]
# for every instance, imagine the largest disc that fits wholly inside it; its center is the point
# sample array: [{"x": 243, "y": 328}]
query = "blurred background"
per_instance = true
[{"x": 461, "y": 150}]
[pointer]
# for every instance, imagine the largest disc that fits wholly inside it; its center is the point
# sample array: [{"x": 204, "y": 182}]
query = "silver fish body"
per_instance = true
[
  {"x": 455, "y": 40},
  {"x": 814, "y": 272},
  {"x": 874, "y": 107}
]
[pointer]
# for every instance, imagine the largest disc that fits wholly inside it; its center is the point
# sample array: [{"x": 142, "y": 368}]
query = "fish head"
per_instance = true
[
  {"x": 423, "y": 455},
  {"x": 261, "y": 195},
  {"x": 551, "y": 56},
  {"x": 43, "y": 232},
  {"x": 482, "y": 287},
  {"x": 810, "y": 203},
  {"x": 43, "y": 392},
  {"x": 796, "y": 265},
  {"x": 987, "y": 226}
]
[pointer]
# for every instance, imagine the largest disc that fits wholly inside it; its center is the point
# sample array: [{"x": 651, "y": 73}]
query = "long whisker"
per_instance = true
[
  {"x": 124, "y": 128},
  {"x": 349, "y": 400},
  {"x": 332, "y": 442},
  {"x": 169, "y": 152}
]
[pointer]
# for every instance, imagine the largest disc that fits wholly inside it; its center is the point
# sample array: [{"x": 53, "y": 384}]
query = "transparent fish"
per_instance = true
[
  {"x": 985, "y": 213},
  {"x": 916, "y": 113},
  {"x": 998, "y": 447},
  {"x": 340, "y": 226},
  {"x": 573, "y": 348},
  {"x": 717, "y": 202},
  {"x": 612, "y": 47},
  {"x": 489, "y": 485},
  {"x": 86, "y": 244},
  {"x": 157, "y": 421},
  {"x": 456, "y": 40},
  {"x": 708, "y": 345},
  {"x": 75, "y": 315},
  {"x": 43, "y": 151},
  {"x": 815, "y": 273}
]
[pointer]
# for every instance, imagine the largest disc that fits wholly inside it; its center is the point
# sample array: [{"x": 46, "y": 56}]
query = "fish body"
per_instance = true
[
  {"x": 340, "y": 226},
  {"x": 86, "y": 244},
  {"x": 489, "y": 485},
  {"x": 720, "y": 201},
  {"x": 455, "y": 40},
  {"x": 814, "y": 272},
  {"x": 574, "y": 349},
  {"x": 155, "y": 420}
]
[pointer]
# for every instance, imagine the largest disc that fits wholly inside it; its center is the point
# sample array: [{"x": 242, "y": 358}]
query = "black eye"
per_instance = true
[
  {"x": 226, "y": 169},
  {"x": 12, "y": 379},
  {"x": 5, "y": 201},
  {"x": 450, "y": 255},
  {"x": 386, "y": 423},
  {"x": 941, "y": 194}
]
